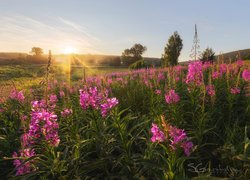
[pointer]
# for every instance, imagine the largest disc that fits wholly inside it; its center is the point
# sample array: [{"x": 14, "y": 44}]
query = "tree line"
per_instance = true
[
  {"x": 132, "y": 57},
  {"x": 172, "y": 51}
]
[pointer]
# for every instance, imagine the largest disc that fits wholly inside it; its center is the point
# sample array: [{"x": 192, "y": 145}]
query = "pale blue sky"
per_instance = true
[{"x": 110, "y": 26}]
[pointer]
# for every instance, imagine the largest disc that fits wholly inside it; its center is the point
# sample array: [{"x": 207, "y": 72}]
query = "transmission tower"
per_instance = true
[{"x": 196, "y": 46}]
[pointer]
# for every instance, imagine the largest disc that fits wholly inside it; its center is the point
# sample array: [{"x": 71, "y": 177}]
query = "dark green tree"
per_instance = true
[
  {"x": 130, "y": 56},
  {"x": 207, "y": 55},
  {"x": 172, "y": 50},
  {"x": 37, "y": 51}
]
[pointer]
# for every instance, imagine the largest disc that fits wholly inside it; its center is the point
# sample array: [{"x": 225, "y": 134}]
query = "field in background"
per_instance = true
[{"x": 31, "y": 76}]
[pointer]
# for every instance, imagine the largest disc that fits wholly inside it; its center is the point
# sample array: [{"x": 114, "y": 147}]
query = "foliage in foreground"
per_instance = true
[{"x": 172, "y": 123}]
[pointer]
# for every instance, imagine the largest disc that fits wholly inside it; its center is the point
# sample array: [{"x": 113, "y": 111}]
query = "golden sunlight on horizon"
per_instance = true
[{"x": 69, "y": 50}]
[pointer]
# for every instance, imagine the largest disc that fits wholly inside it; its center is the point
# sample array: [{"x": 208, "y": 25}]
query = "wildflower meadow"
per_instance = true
[{"x": 181, "y": 122}]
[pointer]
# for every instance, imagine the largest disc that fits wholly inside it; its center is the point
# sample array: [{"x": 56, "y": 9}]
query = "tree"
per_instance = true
[
  {"x": 172, "y": 50},
  {"x": 207, "y": 55},
  {"x": 37, "y": 51},
  {"x": 130, "y": 56}
]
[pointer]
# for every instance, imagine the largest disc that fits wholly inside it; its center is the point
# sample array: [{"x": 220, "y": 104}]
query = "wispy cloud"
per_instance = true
[{"x": 20, "y": 33}]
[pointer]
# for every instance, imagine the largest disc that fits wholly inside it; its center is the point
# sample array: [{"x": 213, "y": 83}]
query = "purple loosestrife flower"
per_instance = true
[
  {"x": 195, "y": 74},
  {"x": 27, "y": 167},
  {"x": 216, "y": 75},
  {"x": 178, "y": 135},
  {"x": 62, "y": 94},
  {"x": 84, "y": 99},
  {"x": 66, "y": 112},
  {"x": 210, "y": 90},
  {"x": 235, "y": 90},
  {"x": 111, "y": 102},
  {"x": 158, "y": 135},
  {"x": 240, "y": 62},
  {"x": 92, "y": 98},
  {"x": 246, "y": 75},
  {"x": 158, "y": 91},
  {"x": 172, "y": 97},
  {"x": 53, "y": 99},
  {"x": 17, "y": 95},
  {"x": 179, "y": 139},
  {"x": 187, "y": 147},
  {"x": 223, "y": 68},
  {"x": 44, "y": 123},
  {"x": 25, "y": 140},
  {"x": 207, "y": 65},
  {"x": 160, "y": 76}
]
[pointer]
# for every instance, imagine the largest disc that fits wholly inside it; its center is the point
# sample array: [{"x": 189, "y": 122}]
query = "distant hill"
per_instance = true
[
  {"x": 77, "y": 59},
  {"x": 234, "y": 55},
  {"x": 229, "y": 56}
]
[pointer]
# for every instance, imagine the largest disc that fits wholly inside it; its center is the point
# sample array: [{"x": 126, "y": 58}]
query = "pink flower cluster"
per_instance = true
[
  {"x": 17, "y": 95},
  {"x": 91, "y": 97},
  {"x": 172, "y": 97},
  {"x": 177, "y": 138},
  {"x": 216, "y": 75},
  {"x": 246, "y": 75},
  {"x": 195, "y": 74},
  {"x": 27, "y": 167},
  {"x": 62, "y": 94},
  {"x": 97, "y": 100},
  {"x": 66, "y": 112},
  {"x": 235, "y": 90},
  {"x": 105, "y": 107},
  {"x": 158, "y": 135},
  {"x": 158, "y": 91},
  {"x": 210, "y": 90},
  {"x": 43, "y": 123},
  {"x": 223, "y": 68}
]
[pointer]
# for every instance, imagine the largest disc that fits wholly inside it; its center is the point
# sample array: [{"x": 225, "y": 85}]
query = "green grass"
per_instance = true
[{"x": 31, "y": 76}]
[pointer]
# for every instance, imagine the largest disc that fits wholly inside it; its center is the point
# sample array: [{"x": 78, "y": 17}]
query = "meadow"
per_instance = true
[{"x": 181, "y": 122}]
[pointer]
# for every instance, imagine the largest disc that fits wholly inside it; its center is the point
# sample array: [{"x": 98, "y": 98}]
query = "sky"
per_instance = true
[{"x": 110, "y": 26}]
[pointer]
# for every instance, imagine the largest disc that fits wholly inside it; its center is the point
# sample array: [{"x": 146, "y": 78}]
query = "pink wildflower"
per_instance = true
[
  {"x": 187, "y": 147},
  {"x": 179, "y": 139},
  {"x": 26, "y": 167},
  {"x": 172, "y": 97},
  {"x": 84, "y": 99},
  {"x": 246, "y": 75},
  {"x": 53, "y": 98},
  {"x": 195, "y": 74},
  {"x": 207, "y": 65},
  {"x": 62, "y": 94},
  {"x": 223, "y": 68},
  {"x": 158, "y": 135},
  {"x": 216, "y": 75},
  {"x": 240, "y": 62},
  {"x": 157, "y": 91},
  {"x": 235, "y": 90},
  {"x": 111, "y": 102},
  {"x": 161, "y": 76},
  {"x": 178, "y": 135},
  {"x": 210, "y": 90},
  {"x": 24, "y": 117},
  {"x": 43, "y": 123},
  {"x": 17, "y": 95},
  {"x": 66, "y": 112}
]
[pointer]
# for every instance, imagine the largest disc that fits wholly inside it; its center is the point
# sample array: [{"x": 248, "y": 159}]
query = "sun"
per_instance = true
[{"x": 69, "y": 50}]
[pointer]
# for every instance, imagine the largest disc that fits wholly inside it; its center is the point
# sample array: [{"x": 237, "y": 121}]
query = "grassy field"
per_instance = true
[{"x": 32, "y": 76}]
